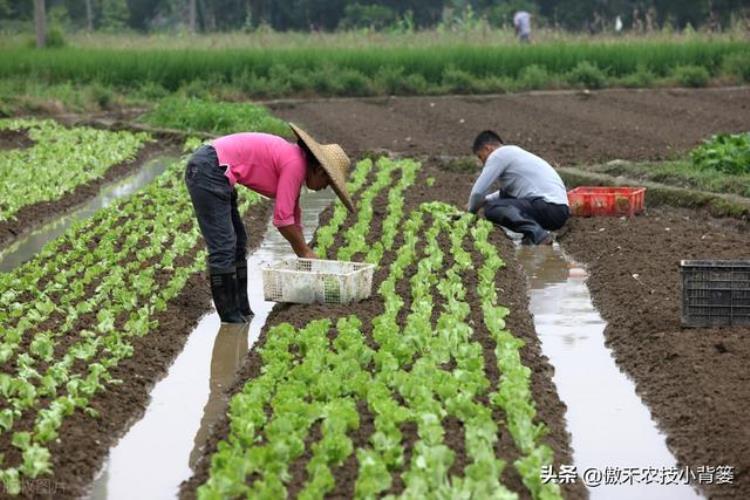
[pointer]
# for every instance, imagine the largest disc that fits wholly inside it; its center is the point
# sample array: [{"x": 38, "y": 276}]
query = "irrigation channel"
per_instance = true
[
  {"x": 158, "y": 451},
  {"x": 609, "y": 424},
  {"x": 26, "y": 247}
]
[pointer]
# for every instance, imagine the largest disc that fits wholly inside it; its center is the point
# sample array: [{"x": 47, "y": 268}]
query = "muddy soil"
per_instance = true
[
  {"x": 33, "y": 215},
  {"x": 695, "y": 381},
  {"x": 513, "y": 290},
  {"x": 564, "y": 128},
  {"x": 84, "y": 441},
  {"x": 15, "y": 139}
]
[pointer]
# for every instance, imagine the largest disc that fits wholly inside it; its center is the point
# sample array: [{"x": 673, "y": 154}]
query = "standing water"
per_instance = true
[
  {"x": 28, "y": 246},
  {"x": 158, "y": 452},
  {"x": 609, "y": 424}
]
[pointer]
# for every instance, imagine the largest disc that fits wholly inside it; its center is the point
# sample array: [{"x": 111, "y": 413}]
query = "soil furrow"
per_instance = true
[{"x": 694, "y": 380}]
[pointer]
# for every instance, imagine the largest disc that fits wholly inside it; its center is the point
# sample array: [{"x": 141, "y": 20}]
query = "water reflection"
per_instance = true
[
  {"x": 25, "y": 248},
  {"x": 544, "y": 265},
  {"x": 230, "y": 349},
  {"x": 609, "y": 424}
]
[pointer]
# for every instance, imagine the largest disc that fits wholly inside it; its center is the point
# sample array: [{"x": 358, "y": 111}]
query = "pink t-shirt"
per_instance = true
[{"x": 268, "y": 165}]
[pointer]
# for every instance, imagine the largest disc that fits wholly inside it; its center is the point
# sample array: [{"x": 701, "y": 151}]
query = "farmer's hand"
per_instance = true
[
  {"x": 309, "y": 253},
  {"x": 296, "y": 239}
]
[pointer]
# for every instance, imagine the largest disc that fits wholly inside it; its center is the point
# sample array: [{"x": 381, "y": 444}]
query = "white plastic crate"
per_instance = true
[{"x": 305, "y": 281}]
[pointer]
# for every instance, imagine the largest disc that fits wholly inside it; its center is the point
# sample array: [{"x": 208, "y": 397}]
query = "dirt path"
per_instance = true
[
  {"x": 695, "y": 381},
  {"x": 564, "y": 128}
]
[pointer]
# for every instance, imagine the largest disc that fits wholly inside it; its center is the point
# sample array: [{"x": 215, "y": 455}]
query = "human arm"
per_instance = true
[
  {"x": 492, "y": 170},
  {"x": 287, "y": 215},
  {"x": 293, "y": 234}
]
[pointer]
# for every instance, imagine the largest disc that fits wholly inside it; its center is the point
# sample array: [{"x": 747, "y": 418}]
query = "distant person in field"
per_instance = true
[
  {"x": 532, "y": 198},
  {"x": 522, "y": 23},
  {"x": 268, "y": 165}
]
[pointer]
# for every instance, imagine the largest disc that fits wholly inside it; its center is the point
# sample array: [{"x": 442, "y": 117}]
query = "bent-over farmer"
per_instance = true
[
  {"x": 532, "y": 198},
  {"x": 268, "y": 165}
]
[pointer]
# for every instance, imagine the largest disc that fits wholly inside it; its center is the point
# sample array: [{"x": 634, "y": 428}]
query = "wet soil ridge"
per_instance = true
[
  {"x": 107, "y": 156},
  {"x": 79, "y": 358},
  {"x": 695, "y": 381},
  {"x": 360, "y": 401},
  {"x": 578, "y": 127}
]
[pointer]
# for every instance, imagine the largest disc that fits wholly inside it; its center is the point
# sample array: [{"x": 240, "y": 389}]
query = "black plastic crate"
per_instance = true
[{"x": 715, "y": 292}]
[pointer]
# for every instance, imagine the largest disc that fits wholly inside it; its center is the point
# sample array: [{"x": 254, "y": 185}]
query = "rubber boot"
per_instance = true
[
  {"x": 224, "y": 291},
  {"x": 242, "y": 300}
]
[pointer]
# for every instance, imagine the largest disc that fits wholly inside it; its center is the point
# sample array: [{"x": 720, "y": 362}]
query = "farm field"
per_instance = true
[
  {"x": 565, "y": 128},
  {"x": 89, "y": 323},
  {"x": 80, "y": 352},
  {"x": 425, "y": 362},
  {"x": 695, "y": 381},
  {"x": 647, "y": 340},
  {"x": 71, "y": 164},
  {"x": 441, "y": 67},
  {"x": 144, "y": 355}
]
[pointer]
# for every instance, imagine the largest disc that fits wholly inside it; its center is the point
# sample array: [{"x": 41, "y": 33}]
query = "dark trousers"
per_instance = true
[
  {"x": 532, "y": 217},
  {"x": 215, "y": 204}
]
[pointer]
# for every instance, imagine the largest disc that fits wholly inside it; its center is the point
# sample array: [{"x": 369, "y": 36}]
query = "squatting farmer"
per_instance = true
[
  {"x": 268, "y": 165},
  {"x": 532, "y": 199}
]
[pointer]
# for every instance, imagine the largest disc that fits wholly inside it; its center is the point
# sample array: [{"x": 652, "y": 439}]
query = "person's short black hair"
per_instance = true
[{"x": 485, "y": 137}]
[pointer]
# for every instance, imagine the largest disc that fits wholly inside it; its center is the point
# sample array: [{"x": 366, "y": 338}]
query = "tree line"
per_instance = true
[{"x": 329, "y": 15}]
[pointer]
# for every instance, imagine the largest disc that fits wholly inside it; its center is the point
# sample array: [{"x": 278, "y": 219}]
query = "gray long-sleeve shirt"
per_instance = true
[
  {"x": 521, "y": 175},
  {"x": 522, "y": 22}
]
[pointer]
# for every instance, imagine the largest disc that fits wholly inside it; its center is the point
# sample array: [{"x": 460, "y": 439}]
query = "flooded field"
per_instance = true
[
  {"x": 192, "y": 397},
  {"x": 610, "y": 426},
  {"x": 26, "y": 247}
]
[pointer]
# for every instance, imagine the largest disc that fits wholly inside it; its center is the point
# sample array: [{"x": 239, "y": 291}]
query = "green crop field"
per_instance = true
[{"x": 386, "y": 70}]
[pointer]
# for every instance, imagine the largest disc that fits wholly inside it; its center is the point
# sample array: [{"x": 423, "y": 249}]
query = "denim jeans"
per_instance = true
[
  {"x": 215, "y": 204},
  {"x": 531, "y": 216}
]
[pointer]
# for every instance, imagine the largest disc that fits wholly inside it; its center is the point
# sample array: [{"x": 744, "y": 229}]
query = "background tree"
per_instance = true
[
  {"x": 304, "y": 15},
  {"x": 115, "y": 15},
  {"x": 373, "y": 16},
  {"x": 40, "y": 23},
  {"x": 193, "y": 15}
]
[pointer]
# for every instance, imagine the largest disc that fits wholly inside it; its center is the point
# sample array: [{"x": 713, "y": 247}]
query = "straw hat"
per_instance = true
[{"x": 334, "y": 161}]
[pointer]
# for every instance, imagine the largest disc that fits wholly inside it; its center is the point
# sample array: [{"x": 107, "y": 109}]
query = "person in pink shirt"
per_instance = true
[{"x": 273, "y": 167}]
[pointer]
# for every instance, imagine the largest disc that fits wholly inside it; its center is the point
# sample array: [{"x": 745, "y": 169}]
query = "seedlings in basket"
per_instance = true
[{"x": 332, "y": 289}]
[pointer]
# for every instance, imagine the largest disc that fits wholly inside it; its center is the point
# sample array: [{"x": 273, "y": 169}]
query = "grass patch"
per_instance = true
[
  {"x": 691, "y": 75},
  {"x": 372, "y": 70},
  {"x": 680, "y": 173},
  {"x": 200, "y": 115},
  {"x": 21, "y": 96}
]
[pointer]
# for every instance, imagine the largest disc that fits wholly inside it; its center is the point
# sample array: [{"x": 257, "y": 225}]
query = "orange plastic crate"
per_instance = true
[{"x": 586, "y": 201}]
